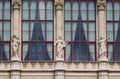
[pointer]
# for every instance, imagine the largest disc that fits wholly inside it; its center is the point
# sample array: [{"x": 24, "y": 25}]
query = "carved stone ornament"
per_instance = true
[
  {"x": 102, "y": 48},
  {"x": 15, "y": 46},
  {"x": 16, "y": 4},
  {"x": 101, "y": 4},
  {"x": 59, "y": 4},
  {"x": 60, "y": 44}
]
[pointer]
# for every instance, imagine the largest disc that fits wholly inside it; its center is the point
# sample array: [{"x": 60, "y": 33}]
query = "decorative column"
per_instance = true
[
  {"x": 102, "y": 56},
  {"x": 15, "y": 41},
  {"x": 59, "y": 15},
  {"x": 59, "y": 43},
  {"x": 16, "y": 17}
]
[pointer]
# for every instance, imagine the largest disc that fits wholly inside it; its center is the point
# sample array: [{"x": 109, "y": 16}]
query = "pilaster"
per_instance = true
[
  {"x": 59, "y": 15},
  {"x": 59, "y": 69},
  {"x": 59, "y": 42},
  {"x": 102, "y": 56},
  {"x": 16, "y": 16},
  {"x": 15, "y": 64},
  {"x": 101, "y": 4}
]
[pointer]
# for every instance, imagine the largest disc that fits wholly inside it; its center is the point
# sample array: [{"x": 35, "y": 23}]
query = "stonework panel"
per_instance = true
[
  {"x": 37, "y": 77},
  {"x": 80, "y": 77},
  {"x": 4, "y": 77},
  {"x": 114, "y": 77}
]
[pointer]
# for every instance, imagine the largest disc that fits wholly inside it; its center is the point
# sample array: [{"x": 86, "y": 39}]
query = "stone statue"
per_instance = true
[
  {"x": 102, "y": 46},
  {"x": 60, "y": 45},
  {"x": 15, "y": 45}
]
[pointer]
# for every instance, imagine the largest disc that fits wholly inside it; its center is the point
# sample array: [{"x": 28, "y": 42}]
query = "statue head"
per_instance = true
[
  {"x": 102, "y": 37},
  {"x": 14, "y": 37},
  {"x": 59, "y": 36}
]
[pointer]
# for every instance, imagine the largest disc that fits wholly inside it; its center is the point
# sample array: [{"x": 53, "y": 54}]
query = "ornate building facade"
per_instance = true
[{"x": 59, "y": 39}]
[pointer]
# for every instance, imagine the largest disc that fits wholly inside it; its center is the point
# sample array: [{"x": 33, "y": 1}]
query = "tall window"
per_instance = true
[
  {"x": 37, "y": 30},
  {"x": 5, "y": 30},
  {"x": 113, "y": 30},
  {"x": 80, "y": 30}
]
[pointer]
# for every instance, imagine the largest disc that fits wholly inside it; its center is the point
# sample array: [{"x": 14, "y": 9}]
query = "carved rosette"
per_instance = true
[
  {"x": 59, "y": 4},
  {"x": 101, "y": 5},
  {"x": 16, "y": 4}
]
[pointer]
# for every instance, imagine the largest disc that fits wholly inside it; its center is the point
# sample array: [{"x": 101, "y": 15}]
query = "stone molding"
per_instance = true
[
  {"x": 101, "y": 5},
  {"x": 16, "y": 4},
  {"x": 59, "y": 4},
  {"x": 77, "y": 66}
]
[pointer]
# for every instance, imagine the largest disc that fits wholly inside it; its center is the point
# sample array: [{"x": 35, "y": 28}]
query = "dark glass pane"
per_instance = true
[
  {"x": 25, "y": 36},
  {"x": 91, "y": 15},
  {"x": 41, "y": 51},
  {"x": 110, "y": 52},
  {"x": 91, "y": 5},
  {"x": 6, "y": 35},
  {"x": 92, "y": 52},
  {"x": 25, "y": 52},
  {"x": 68, "y": 51},
  {"x": 6, "y": 51},
  {"x": 0, "y": 13},
  {"x": 33, "y": 50},
  {"x": 109, "y": 15},
  {"x": 0, "y": 50},
  {"x": 6, "y": 25}
]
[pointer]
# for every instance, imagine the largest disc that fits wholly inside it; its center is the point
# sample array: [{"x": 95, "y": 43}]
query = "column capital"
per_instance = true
[
  {"x": 59, "y": 4},
  {"x": 101, "y": 5},
  {"x": 16, "y": 4}
]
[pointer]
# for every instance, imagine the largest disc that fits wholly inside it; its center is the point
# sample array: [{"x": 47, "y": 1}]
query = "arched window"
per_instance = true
[
  {"x": 37, "y": 30},
  {"x": 80, "y": 25},
  {"x": 5, "y": 26},
  {"x": 113, "y": 29}
]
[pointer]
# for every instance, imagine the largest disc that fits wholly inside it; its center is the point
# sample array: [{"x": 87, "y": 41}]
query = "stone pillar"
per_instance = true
[
  {"x": 15, "y": 69},
  {"x": 59, "y": 43},
  {"x": 59, "y": 15},
  {"x": 102, "y": 56},
  {"x": 16, "y": 17},
  {"x": 15, "y": 41},
  {"x": 59, "y": 69}
]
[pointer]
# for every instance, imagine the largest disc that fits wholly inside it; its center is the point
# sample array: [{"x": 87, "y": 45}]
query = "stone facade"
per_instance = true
[{"x": 101, "y": 69}]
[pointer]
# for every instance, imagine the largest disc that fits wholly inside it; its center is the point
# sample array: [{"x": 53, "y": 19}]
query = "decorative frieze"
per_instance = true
[
  {"x": 59, "y": 4},
  {"x": 81, "y": 66},
  {"x": 101, "y": 4}
]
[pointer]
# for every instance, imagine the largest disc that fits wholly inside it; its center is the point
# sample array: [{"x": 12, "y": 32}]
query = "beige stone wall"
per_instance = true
[
  {"x": 80, "y": 77},
  {"x": 37, "y": 77},
  {"x": 114, "y": 77},
  {"x": 4, "y": 77}
]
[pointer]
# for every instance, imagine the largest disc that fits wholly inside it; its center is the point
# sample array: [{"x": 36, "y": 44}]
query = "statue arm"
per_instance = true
[{"x": 55, "y": 43}]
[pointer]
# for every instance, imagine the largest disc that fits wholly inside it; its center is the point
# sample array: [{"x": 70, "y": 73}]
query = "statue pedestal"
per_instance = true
[
  {"x": 15, "y": 68},
  {"x": 15, "y": 59},
  {"x": 103, "y": 58},
  {"x": 103, "y": 67},
  {"x": 59, "y": 59},
  {"x": 59, "y": 68}
]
